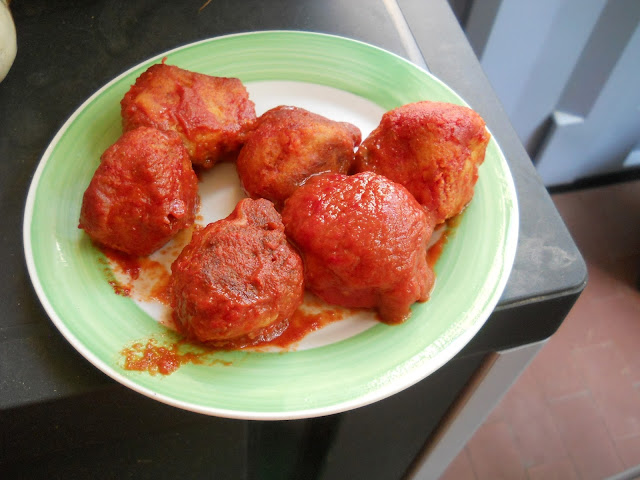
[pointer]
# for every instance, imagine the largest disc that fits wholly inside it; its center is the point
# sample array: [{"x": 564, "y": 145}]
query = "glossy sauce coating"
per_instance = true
[
  {"x": 209, "y": 113},
  {"x": 238, "y": 280},
  {"x": 288, "y": 145},
  {"x": 433, "y": 149},
  {"x": 364, "y": 241},
  {"x": 143, "y": 192}
]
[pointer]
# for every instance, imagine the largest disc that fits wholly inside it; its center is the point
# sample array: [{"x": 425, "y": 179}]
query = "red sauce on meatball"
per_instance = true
[
  {"x": 238, "y": 280},
  {"x": 363, "y": 239},
  {"x": 143, "y": 192},
  {"x": 211, "y": 114},
  {"x": 433, "y": 149},
  {"x": 289, "y": 144}
]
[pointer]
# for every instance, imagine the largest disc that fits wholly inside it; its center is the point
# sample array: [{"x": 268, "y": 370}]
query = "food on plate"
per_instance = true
[
  {"x": 143, "y": 192},
  {"x": 359, "y": 216},
  {"x": 238, "y": 280},
  {"x": 433, "y": 149},
  {"x": 209, "y": 113},
  {"x": 363, "y": 239},
  {"x": 289, "y": 144}
]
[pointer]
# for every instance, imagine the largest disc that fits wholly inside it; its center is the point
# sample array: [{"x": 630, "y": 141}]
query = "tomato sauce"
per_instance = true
[
  {"x": 435, "y": 250},
  {"x": 143, "y": 277},
  {"x": 146, "y": 278},
  {"x": 128, "y": 264},
  {"x": 445, "y": 231},
  {"x": 148, "y": 356},
  {"x": 301, "y": 324},
  {"x": 119, "y": 289},
  {"x": 153, "y": 358}
]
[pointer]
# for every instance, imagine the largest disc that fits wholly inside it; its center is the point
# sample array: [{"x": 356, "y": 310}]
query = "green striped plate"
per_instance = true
[{"x": 332, "y": 372}]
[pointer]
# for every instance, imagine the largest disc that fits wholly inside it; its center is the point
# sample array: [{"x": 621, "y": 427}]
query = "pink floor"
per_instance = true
[{"x": 575, "y": 411}]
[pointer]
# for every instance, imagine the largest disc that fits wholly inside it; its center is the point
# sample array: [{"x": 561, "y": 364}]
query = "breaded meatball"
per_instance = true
[
  {"x": 210, "y": 113},
  {"x": 363, "y": 239},
  {"x": 433, "y": 149},
  {"x": 142, "y": 193},
  {"x": 238, "y": 280},
  {"x": 288, "y": 145}
]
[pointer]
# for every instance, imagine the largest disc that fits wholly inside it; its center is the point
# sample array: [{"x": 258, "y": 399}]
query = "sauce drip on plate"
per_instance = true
[{"x": 148, "y": 280}]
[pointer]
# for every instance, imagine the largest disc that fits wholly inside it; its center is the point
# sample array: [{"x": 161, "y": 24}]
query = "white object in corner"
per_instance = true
[{"x": 8, "y": 43}]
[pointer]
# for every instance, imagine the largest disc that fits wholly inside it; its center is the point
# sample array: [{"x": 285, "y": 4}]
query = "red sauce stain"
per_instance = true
[
  {"x": 284, "y": 335},
  {"x": 129, "y": 264},
  {"x": 122, "y": 290},
  {"x": 153, "y": 358},
  {"x": 161, "y": 290},
  {"x": 146, "y": 278},
  {"x": 154, "y": 283},
  {"x": 435, "y": 250},
  {"x": 148, "y": 356},
  {"x": 301, "y": 324},
  {"x": 150, "y": 280},
  {"x": 126, "y": 264},
  {"x": 445, "y": 231},
  {"x": 171, "y": 250},
  {"x": 142, "y": 277}
]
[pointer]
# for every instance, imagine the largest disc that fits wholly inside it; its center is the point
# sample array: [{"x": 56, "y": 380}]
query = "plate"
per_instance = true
[{"x": 336, "y": 77}]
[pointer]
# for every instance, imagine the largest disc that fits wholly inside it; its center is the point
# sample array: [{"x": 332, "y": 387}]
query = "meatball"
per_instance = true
[
  {"x": 363, "y": 239},
  {"x": 433, "y": 149},
  {"x": 210, "y": 113},
  {"x": 142, "y": 193},
  {"x": 238, "y": 280},
  {"x": 288, "y": 145}
]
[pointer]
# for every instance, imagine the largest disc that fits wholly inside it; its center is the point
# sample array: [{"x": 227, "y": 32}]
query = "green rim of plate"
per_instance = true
[{"x": 69, "y": 278}]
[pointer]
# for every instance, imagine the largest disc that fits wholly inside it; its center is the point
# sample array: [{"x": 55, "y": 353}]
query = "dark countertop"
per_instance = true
[{"x": 67, "y": 49}]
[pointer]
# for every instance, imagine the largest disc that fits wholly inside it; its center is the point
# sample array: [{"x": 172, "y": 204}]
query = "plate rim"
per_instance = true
[{"x": 511, "y": 237}]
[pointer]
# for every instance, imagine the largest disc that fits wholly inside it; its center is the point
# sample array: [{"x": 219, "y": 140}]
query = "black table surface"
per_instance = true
[{"x": 67, "y": 49}]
